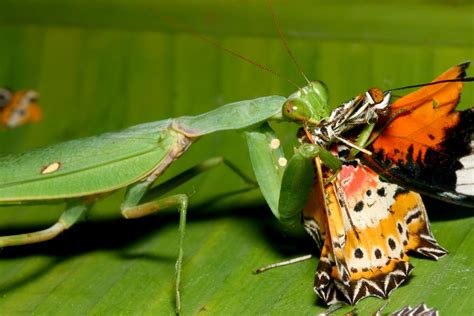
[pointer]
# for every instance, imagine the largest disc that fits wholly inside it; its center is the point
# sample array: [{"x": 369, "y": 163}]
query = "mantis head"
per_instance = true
[{"x": 309, "y": 104}]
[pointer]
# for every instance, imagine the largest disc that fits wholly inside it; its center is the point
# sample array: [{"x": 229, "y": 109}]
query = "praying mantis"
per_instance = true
[{"x": 83, "y": 171}]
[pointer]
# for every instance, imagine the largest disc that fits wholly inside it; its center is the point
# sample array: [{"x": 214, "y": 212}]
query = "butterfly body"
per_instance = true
[{"x": 363, "y": 109}]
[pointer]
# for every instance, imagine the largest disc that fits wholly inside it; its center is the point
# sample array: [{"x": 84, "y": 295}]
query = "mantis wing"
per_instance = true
[{"x": 91, "y": 165}]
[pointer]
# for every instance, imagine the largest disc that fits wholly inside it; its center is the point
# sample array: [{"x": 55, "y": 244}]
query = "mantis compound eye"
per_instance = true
[{"x": 296, "y": 110}]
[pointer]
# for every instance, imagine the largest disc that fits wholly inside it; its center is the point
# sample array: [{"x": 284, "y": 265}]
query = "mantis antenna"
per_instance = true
[
  {"x": 284, "y": 42},
  {"x": 216, "y": 44}
]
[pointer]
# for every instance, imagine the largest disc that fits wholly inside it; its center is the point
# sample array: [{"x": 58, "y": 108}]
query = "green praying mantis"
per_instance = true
[{"x": 82, "y": 171}]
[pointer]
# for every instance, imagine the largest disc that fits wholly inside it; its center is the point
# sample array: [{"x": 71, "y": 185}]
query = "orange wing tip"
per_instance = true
[
  {"x": 454, "y": 72},
  {"x": 333, "y": 291}
]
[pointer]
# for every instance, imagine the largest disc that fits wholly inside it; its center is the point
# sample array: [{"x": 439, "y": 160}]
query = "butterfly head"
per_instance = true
[{"x": 308, "y": 105}]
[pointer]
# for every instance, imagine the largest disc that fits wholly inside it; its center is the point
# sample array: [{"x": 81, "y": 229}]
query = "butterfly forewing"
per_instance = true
[{"x": 426, "y": 144}]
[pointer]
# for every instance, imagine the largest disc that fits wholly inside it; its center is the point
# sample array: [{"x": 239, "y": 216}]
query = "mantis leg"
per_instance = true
[
  {"x": 285, "y": 187},
  {"x": 73, "y": 213},
  {"x": 134, "y": 208},
  {"x": 181, "y": 202}
]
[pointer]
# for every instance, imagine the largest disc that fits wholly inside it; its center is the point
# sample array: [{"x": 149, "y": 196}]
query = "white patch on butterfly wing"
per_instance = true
[
  {"x": 370, "y": 204},
  {"x": 465, "y": 189},
  {"x": 465, "y": 175}
]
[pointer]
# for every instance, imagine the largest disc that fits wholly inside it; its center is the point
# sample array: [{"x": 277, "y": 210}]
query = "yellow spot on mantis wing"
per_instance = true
[{"x": 51, "y": 168}]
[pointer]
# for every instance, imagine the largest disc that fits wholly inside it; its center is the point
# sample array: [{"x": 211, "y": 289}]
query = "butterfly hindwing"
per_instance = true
[
  {"x": 426, "y": 144},
  {"x": 370, "y": 225}
]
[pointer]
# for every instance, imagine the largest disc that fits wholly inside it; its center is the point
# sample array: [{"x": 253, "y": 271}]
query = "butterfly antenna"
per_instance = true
[
  {"x": 284, "y": 42},
  {"x": 433, "y": 83},
  {"x": 216, "y": 44}
]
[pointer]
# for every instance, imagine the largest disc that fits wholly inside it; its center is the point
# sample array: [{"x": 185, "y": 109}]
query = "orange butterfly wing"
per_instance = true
[
  {"x": 368, "y": 227},
  {"x": 424, "y": 140}
]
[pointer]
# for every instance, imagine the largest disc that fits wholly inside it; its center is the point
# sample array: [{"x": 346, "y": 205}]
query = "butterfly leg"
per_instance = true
[{"x": 283, "y": 263}]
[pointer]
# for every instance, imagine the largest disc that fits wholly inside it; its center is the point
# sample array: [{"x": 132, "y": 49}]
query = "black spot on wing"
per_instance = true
[
  {"x": 413, "y": 217},
  {"x": 359, "y": 206},
  {"x": 378, "y": 253},
  {"x": 381, "y": 192},
  {"x": 358, "y": 253},
  {"x": 391, "y": 243},
  {"x": 400, "y": 228}
]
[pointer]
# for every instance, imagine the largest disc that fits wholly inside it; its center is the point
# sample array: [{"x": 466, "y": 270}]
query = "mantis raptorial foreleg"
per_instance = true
[
  {"x": 153, "y": 203},
  {"x": 286, "y": 188},
  {"x": 75, "y": 210}
]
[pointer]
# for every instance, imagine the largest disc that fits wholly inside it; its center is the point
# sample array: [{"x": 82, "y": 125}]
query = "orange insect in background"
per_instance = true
[{"x": 18, "y": 108}]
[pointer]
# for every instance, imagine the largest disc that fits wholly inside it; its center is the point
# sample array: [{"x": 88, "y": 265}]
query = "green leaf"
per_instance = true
[{"x": 104, "y": 65}]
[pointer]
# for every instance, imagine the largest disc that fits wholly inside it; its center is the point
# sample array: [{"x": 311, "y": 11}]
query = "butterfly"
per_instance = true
[
  {"x": 18, "y": 107},
  {"x": 363, "y": 216}
]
